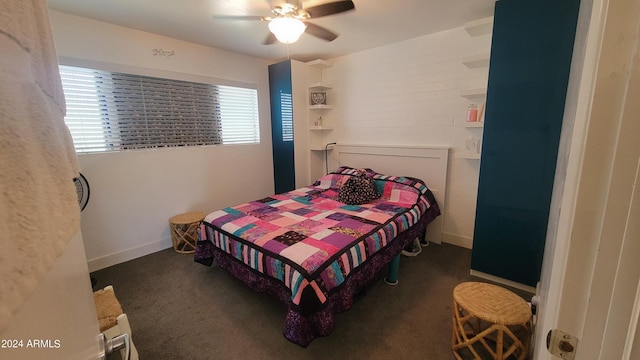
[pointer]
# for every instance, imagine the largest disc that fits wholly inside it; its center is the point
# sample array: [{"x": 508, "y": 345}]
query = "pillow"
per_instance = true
[{"x": 357, "y": 190}]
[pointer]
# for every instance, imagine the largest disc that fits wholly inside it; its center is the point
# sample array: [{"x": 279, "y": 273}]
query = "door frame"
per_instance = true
[{"x": 589, "y": 284}]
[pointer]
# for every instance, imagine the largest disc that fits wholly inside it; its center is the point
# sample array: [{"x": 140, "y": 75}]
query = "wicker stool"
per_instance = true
[
  {"x": 184, "y": 231},
  {"x": 492, "y": 316}
]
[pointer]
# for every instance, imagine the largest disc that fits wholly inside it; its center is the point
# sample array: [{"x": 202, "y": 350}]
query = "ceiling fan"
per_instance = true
[{"x": 290, "y": 20}]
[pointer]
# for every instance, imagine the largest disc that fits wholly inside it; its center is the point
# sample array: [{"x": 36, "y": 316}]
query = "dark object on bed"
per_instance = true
[
  {"x": 358, "y": 190},
  {"x": 313, "y": 252}
]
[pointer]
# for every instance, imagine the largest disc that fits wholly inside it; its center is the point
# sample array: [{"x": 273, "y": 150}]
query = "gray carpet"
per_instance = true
[{"x": 179, "y": 309}]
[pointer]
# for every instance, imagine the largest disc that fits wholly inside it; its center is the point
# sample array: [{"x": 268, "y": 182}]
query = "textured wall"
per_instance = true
[{"x": 409, "y": 93}]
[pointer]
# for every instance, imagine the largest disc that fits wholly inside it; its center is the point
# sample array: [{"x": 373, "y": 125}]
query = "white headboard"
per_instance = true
[{"x": 428, "y": 163}]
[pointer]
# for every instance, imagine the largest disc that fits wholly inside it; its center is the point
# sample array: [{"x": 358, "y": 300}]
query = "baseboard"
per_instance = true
[
  {"x": 502, "y": 281},
  {"x": 457, "y": 240},
  {"x": 128, "y": 254}
]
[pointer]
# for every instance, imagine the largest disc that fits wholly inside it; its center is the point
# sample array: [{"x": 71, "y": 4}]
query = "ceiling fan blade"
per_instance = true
[
  {"x": 240, "y": 17},
  {"x": 320, "y": 32},
  {"x": 330, "y": 8},
  {"x": 270, "y": 39}
]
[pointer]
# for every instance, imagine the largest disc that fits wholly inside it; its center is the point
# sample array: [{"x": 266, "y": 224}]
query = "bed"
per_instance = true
[{"x": 314, "y": 248}]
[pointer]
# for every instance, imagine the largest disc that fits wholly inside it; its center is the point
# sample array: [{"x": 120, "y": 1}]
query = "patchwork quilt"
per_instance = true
[{"x": 309, "y": 241}]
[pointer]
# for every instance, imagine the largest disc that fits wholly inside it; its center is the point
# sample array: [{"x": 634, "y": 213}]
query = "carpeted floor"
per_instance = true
[{"x": 179, "y": 309}]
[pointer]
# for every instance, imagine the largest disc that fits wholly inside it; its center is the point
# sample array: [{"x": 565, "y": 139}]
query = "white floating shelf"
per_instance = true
[
  {"x": 322, "y": 64},
  {"x": 320, "y": 107},
  {"x": 320, "y": 86},
  {"x": 320, "y": 128},
  {"x": 317, "y": 148},
  {"x": 476, "y": 61},
  {"x": 479, "y": 27},
  {"x": 467, "y": 155},
  {"x": 473, "y": 124},
  {"x": 473, "y": 93}
]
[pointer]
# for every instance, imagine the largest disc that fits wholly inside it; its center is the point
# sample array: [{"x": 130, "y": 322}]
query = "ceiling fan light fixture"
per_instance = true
[{"x": 287, "y": 29}]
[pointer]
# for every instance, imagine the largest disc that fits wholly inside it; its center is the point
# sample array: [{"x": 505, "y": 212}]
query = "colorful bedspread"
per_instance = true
[{"x": 310, "y": 242}]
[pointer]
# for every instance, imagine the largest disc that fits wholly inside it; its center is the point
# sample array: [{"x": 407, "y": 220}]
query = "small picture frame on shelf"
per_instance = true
[
  {"x": 472, "y": 145},
  {"x": 318, "y": 98}
]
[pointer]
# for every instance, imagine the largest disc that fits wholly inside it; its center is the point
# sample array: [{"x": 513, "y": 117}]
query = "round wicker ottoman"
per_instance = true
[
  {"x": 184, "y": 231},
  {"x": 489, "y": 321}
]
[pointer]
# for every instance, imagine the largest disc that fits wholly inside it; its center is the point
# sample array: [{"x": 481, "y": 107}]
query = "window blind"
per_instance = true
[
  {"x": 110, "y": 111},
  {"x": 286, "y": 108}
]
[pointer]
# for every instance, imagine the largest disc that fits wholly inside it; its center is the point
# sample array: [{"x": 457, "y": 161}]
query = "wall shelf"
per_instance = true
[
  {"x": 321, "y": 64},
  {"x": 320, "y": 107},
  {"x": 476, "y": 61},
  {"x": 320, "y": 86},
  {"x": 467, "y": 155},
  {"x": 319, "y": 129},
  {"x": 475, "y": 28},
  {"x": 473, "y": 93},
  {"x": 479, "y": 27},
  {"x": 474, "y": 124}
]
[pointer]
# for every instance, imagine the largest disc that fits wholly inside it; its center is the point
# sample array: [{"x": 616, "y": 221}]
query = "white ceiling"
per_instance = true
[{"x": 373, "y": 23}]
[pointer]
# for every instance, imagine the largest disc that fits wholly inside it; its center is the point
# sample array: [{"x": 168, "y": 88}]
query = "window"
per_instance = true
[
  {"x": 286, "y": 107},
  {"x": 110, "y": 111}
]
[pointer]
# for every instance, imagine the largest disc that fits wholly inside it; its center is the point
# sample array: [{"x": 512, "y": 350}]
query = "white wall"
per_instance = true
[
  {"x": 404, "y": 93},
  {"x": 133, "y": 193},
  {"x": 408, "y": 93},
  {"x": 300, "y": 89}
]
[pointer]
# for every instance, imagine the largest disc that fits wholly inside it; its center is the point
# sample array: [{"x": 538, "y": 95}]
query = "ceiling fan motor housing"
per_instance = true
[{"x": 289, "y": 10}]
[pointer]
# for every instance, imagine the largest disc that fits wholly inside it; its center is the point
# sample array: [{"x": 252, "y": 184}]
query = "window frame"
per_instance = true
[{"x": 170, "y": 75}]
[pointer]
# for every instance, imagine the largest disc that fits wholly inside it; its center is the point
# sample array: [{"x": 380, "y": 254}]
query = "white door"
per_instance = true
[{"x": 590, "y": 286}]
